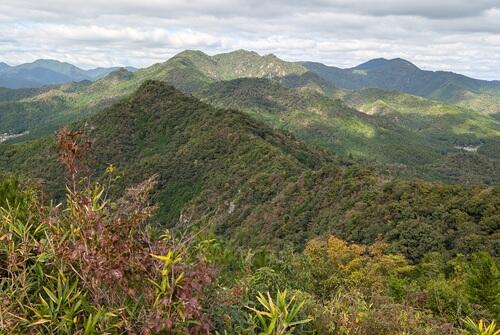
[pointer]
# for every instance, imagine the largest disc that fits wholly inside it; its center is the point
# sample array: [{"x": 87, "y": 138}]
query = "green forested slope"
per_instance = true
[
  {"x": 419, "y": 137},
  {"x": 401, "y": 75},
  {"x": 249, "y": 209},
  {"x": 395, "y": 128},
  {"x": 189, "y": 71},
  {"x": 465, "y": 142},
  {"x": 260, "y": 186}
]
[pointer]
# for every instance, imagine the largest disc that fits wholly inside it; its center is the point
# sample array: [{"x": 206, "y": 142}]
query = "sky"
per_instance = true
[{"x": 455, "y": 35}]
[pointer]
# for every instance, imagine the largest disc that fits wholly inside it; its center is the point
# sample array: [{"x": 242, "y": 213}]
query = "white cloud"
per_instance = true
[{"x": 456, "y": 35}]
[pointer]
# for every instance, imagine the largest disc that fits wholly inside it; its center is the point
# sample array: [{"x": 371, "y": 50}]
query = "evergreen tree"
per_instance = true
[{"x": 483, "y": 282}]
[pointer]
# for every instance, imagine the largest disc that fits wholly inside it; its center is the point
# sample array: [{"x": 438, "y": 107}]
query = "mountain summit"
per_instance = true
[
  {"x": 383, "y": 64},
  {"x": 401, "y": 75},
  {"x": 238, "y": 64},
  {"x": 257, "y": 184},
  {"x": 43, "y": 72}
]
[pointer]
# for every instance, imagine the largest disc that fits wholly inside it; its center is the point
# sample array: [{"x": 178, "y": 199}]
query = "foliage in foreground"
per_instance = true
[
  {"x": 64, "y": 272},
  {"x": 481, "y": 328},
  {"x": 94, "y": 267},
  {"x": 97, "y": 267}
]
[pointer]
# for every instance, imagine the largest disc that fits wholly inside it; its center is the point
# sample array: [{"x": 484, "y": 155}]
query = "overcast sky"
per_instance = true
[{"x": 457, "y": 35}]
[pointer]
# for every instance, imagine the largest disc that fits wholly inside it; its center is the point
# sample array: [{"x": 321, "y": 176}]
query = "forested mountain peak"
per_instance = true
[
  {"x": 400, "y": 129},
  {"x": 44, "y": 72},
  {"x": 239, "y": 53},
  {"x": 384, "y": 64},
  {"x": 239, "y": 63},
  {"x": 200, "y": 152},
  {"x": 401, "y": 75},
  {"x": 119, "y": 74},
  {"x": 52, "y": 64}
]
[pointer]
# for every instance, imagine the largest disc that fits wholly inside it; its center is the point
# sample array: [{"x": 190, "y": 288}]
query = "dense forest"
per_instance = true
[
  {"x": 410, "y": 136},
  {"x": 165, "y": 215},
  {"x": 64, "y": 272}
]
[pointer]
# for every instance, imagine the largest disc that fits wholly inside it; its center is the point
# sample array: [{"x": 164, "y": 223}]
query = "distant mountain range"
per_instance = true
[
  {"x": 412, "y": 135},
  {"x": 401, "y": 75},
  {"x": 45, "y": 72},
  {"x": 387, "y": 74}
]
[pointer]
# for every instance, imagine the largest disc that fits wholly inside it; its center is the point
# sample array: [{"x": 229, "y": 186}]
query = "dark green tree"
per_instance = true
[{"x": 483, "y": 282}]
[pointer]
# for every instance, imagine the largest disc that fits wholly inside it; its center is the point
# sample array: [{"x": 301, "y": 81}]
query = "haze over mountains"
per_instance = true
[{"x": 43, "y": 72}]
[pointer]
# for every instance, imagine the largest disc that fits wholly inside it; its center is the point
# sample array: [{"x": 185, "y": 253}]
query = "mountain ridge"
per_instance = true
[
  {"x": 412, "y": 137},
  {"x": 43, "y": 72},
  {"x": 287, "y": 191},
  {"x": 401, "y": 75},
  {"x": 382, "y": 62}
]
